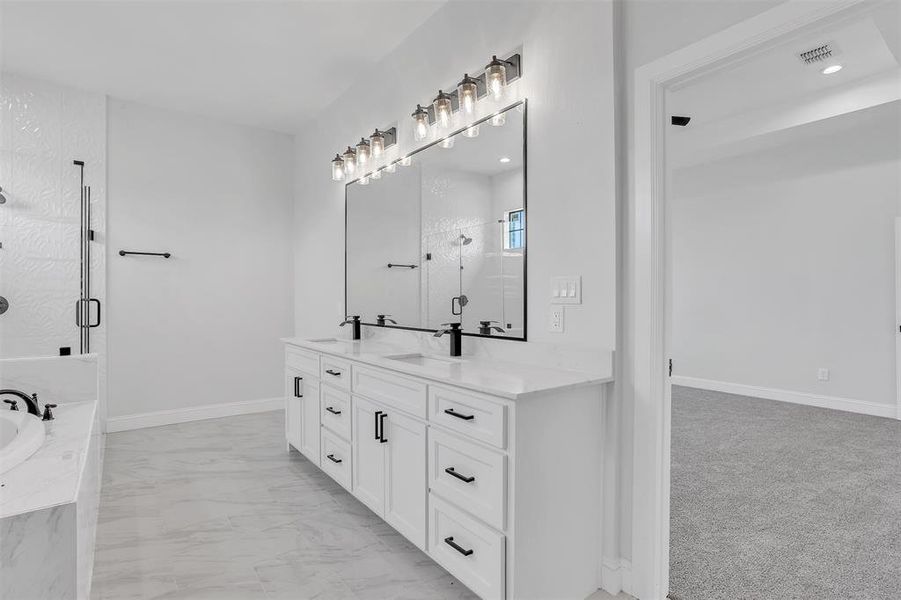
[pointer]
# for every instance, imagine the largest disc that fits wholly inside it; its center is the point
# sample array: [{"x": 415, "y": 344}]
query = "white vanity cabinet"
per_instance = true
[
  {"x": 302, "y": 402},
  {"x": 499, "y": 483}
]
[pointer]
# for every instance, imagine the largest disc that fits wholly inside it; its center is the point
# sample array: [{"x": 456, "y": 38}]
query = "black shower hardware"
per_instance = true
[
  {"x": 130, "y": 253},
  {"x": 4, "y": 305},
  {"x": 381, "y": 320},
  {"x": 456, "y": 337},
  {"x": 392, "y": 265},
  {"x": 31, "y": 402},
  {"x": 465, "y": 240},
  {"x": 462, "y": 300},
  {"x": 2, "y": 197},
  {"x": 486, "y": 327},
  {"x": 355, "y": 321}
]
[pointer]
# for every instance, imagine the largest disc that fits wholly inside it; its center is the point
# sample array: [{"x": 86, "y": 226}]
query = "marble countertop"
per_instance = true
[
  {"x": 509, "y": 380},
  {"x": 51, "y": 476}
]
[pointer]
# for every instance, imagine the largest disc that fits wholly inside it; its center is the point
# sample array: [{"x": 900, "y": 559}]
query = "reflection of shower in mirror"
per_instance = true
[{"x": 465, "y": 240}]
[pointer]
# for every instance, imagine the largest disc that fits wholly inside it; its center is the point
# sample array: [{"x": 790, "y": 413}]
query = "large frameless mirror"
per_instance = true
[{"x": 443, "y": 240}]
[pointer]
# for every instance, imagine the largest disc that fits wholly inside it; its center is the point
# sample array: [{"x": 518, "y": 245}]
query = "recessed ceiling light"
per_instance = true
[
  {"x": 832, "y": 69},
  {"x": 505, "y": 159}
]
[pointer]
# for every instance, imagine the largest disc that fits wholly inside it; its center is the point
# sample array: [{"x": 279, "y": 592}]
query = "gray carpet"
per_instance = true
[{"x": 772, "y": 500}]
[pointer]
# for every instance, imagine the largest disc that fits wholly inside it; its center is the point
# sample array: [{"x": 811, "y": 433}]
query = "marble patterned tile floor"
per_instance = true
[{"x": 219, "y": 509}]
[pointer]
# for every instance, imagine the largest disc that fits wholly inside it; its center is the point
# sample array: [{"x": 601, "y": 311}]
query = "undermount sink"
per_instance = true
[{"x": 423, "y": 360}]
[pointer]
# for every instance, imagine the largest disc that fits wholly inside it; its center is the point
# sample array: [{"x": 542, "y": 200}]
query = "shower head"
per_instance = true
[
  {"x": 466, "y": 240},
  {"x": 2, "y": 197}
]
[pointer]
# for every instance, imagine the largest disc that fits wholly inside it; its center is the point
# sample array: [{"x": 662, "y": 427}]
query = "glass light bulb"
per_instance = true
[
  {"x": 496, "y": 78},
  {"x": 391, "y": 167},
  {"x": 406, "y": 161},
  {"x": 443, "y": 110},
  {"x": 471, "y": 131},
  {"x": 498, "y": 120},
  {"x": 337, "y": 168},
  {"x": 377, "y": 144},
  {"x": 363, "y": 153},
  {"x": 420, "y": 123},
  {"x": 467, "y": 95},
  {"x": 350, "y": 161},
  {"x": 377, "y": 174},
  {"x": 447, "y": 142},
  {"x": 364, "y": 180}
]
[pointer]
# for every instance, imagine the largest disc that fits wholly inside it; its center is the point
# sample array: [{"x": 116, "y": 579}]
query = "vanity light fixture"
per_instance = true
[
  {"x": 364, "y": 180},
  {"x": 420, "y": 123},
  {"x": 377, "y": 174},
  {"x": 377, "y": 143},
  {"x": 444, "y": 108},
  {"x": 406, "y": 161},
  {"x": 350, "y": 161},
  {"x": 831, "y": 69},
  {"x": 467, "y": 95},
  {"x": 496, "y": 77},
  {"x": 471, "y": 131},
  {"x": 337, "y": 168},
  {"x": 363, "y": 153},
  {"x": 391, "y": 167},
  {"x": 498, "y": 120},
  {"x": 447, "y": 142}
]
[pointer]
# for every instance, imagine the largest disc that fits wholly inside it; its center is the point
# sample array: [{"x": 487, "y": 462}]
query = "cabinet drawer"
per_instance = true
[
  {"x": 471, "y": 551},
  {"x": 471, "y": 414},
  {"x": 302, "y": 360},
  {"x": 335, "y": 371},
  {"x": 391, "y": 389},
  {"x": 469, "y": 475},
  {"x": 336, "y": 458},
  {"x": 335, "y": 411}
]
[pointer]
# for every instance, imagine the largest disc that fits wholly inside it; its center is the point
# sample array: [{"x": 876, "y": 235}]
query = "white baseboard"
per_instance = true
[
  {"x": 194, "y": 413},
  {"x": 846, "y": 404},
  {"x": 616, "y": 576}
]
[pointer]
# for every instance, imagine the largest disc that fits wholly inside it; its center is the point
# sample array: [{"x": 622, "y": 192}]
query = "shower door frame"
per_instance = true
[{"x": 86, "y": 236}]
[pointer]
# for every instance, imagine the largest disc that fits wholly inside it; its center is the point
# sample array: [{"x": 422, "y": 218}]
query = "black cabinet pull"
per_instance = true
[
  {"x": 450, "y": 471},
  {"x": 332, "y": 410},
  {"x": 297, "y": 381},
  {"x": 382, "y": 437},
  {"x": 378, "y": 436},
  {"x": 453, "y": 413},
  {"x": 332, "y": 458},
  {"x": 450, "y": 542},
  {"x": 333, "y": 372}
]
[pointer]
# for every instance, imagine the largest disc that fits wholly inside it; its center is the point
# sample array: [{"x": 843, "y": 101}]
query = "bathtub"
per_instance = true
[{"x": 21, "y": 434}]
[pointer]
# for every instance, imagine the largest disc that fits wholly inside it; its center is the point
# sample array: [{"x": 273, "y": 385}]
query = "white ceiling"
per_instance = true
[{"x": 262, "y": 63}]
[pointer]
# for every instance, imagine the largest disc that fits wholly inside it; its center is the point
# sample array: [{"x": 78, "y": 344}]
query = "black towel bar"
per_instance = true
[{"x": 127, "y": 252}]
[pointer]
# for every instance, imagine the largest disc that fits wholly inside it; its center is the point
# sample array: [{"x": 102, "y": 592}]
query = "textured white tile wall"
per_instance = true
[{"x": 43, "y": 128}]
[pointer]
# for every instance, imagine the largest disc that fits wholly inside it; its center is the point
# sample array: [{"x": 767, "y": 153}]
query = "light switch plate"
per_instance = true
[
  {"x": 555, "y": 319},
  {"x": 566, "y": 290}
]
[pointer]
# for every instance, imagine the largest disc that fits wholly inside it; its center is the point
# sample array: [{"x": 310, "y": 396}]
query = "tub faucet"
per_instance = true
[
  {"x": 456, "y": 337},
  {"x": 355, "y": 321},
  {"x": 30, "y": 401}
]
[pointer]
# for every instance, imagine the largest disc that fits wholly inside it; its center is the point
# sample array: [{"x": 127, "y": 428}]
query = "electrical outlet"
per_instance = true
[
  {"x": 823, "y": 374},
  {"x": 555, "y": 319}
]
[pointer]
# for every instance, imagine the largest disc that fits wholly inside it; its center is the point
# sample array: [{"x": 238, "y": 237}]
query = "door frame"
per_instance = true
[
  {"x": 648, "y": 277},
  {"x": 898, "y": 316}
]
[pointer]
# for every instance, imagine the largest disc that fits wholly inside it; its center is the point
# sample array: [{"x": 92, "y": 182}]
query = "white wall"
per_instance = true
[
  {"x": 201, "y": 327},
  {"x": 783, "y": 263},
  {"x": 568, "y": 79}
]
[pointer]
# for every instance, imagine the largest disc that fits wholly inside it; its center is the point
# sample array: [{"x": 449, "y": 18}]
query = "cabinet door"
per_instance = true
[
  {"x": 309, "y": 429},
  {"x": 406, "y": 487},
  {"x": 368, "y": 455},
  {"x": 293, "y": 407}
]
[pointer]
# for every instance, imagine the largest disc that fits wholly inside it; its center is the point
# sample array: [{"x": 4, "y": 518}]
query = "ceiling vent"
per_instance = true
[{"x": 816, "y": 55}]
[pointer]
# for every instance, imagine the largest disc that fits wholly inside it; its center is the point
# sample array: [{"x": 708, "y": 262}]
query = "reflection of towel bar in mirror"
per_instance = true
[{"x": 392, "y": 265}]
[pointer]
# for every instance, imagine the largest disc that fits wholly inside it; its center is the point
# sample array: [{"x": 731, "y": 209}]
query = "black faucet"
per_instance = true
[
  {"x": 456, "y": 337},
  {"x": 355, "y": 321},
  {"x": 31, "y": 402},
  {"x": 485, "y": 327},
  {"x": 381, "y": 319}
]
